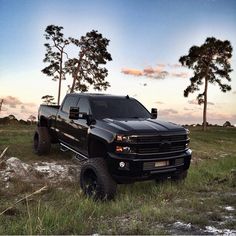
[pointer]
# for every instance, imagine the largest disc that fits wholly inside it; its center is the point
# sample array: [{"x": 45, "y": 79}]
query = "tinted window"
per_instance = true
[
  {"x": 84, "y": 106},
  {"x": 71, "y": 101},
  {"x": 118, "y": 108}
]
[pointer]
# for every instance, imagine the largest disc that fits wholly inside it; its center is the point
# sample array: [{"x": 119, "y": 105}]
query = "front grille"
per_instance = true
[
  {"x": 158, "y": 149},
  {"x": 159, "y": 138},
  {"x": 160, "y": 143}
]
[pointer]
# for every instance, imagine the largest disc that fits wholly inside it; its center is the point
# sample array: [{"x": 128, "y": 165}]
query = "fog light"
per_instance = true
[{"x": 122, "y": 164}]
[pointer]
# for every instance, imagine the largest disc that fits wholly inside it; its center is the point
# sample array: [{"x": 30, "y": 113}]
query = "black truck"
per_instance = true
[{"x": 119, "y": 139}]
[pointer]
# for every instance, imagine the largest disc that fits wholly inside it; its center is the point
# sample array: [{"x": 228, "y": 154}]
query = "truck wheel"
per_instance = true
[
  {"x": 42, "y": 142},
  {"x": 179, "y": 177},
  {"x": 95, "y": 180}
]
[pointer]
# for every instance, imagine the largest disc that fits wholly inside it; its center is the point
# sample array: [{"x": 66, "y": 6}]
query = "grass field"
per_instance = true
[{"x": 205, "y": 201}]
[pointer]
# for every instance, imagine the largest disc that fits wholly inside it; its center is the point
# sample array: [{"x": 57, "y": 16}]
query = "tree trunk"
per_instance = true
[
  {"x": 59, "y": 91},
  {"x": 1, "y": 102},
  {"x": 74, "y": 75},
  {"x": 73, "y": 84},
  {"x": 205, "y": 105},
  {"x": 60, "y": 77}
]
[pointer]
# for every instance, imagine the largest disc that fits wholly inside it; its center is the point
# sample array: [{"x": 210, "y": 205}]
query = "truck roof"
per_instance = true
[{"x": 100, "y": 95}]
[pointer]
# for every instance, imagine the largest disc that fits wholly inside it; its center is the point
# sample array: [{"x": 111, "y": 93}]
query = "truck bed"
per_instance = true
[{"x": 48, "y": 111}]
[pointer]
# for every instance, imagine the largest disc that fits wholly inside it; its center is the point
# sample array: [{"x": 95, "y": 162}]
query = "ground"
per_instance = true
[{"x": 205, "y": 203}]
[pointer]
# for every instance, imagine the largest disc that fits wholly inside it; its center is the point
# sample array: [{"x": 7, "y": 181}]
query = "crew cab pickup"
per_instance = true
[{"x": 119, "y": 139}]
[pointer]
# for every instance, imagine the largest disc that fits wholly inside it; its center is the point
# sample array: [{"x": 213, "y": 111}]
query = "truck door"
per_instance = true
[
  {"x": 79, "y": 128},
  {"x": 63, "y": 121}
]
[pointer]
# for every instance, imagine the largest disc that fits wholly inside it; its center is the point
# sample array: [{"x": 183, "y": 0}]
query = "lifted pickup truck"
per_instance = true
[{"x": 119, "y": 139}]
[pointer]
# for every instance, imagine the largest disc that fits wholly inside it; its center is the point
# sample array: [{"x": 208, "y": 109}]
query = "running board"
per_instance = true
[
  {"x": 63, "y": 149},
  {"x": 78, "y": 155}
]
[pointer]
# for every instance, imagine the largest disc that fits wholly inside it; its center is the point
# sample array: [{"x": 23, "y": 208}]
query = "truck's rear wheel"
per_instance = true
[
  {"x": 180, "y": 176},
  {"x": 41, "y": 142},
  {"x": 95, "y": 180}
]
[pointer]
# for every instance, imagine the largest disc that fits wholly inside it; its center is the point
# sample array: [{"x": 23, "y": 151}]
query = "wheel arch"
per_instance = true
[
  {"x": 43, "y": 121},
  {"x": 97, "y": 147}
]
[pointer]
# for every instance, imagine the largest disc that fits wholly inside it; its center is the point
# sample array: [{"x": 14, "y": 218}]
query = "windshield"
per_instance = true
[{"x": 118, "y": 108}]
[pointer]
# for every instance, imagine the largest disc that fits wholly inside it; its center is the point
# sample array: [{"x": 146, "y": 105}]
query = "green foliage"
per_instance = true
[
  {"x": 86, "y": 69},
  {"x": 210, "y": 63},
  {"x": 54, "y": 52},
  {"x": 48, "y": 100},
  {"x": 54, "y": 56}
]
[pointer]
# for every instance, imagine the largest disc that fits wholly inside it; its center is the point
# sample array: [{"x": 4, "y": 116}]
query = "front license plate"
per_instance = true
[{"x": 161, "y": 163}]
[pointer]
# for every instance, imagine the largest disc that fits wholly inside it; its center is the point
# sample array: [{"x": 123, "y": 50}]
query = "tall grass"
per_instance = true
[{"x": 140, "y": 208}]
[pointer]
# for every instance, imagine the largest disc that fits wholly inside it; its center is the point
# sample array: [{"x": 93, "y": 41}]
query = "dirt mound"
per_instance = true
[{"x": 14, "y": 170}]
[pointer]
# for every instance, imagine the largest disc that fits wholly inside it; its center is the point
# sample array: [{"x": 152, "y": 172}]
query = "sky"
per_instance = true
[{"x": 147, "y": 38}]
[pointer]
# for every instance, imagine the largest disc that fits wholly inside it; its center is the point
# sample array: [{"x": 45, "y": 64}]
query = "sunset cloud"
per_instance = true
[
  {"x": 13, "y": 105},
  {"x": 180, "y": 74},
  {"x": 159, "y": 102},
  {"x": 128, "y": 71},
  {"x": 174, "y": 65},
  {"x": 149, "y": 72},
  {"x": 11, "y": 101},
  {"x": 158, "y": 72},
  {"x": 167, "y": 112},
  {"x": 195, "y": 102}
]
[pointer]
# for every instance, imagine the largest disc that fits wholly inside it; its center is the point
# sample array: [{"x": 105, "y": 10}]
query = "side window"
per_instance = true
[
  {"x": 71, "y": 101},
  {"x": 84, "y": 106}
]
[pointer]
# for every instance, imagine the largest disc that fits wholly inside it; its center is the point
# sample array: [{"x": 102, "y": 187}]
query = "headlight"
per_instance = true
[
  {"x": 121, "y": 149},
  {"x": 187, "y": 131}
]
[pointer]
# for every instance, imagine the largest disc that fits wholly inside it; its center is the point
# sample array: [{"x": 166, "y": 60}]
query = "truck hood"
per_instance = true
[{"x": 140, "y": 126}]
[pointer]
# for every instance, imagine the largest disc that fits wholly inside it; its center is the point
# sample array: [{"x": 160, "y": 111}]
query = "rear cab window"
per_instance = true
[{"x": 70, "y": 101}]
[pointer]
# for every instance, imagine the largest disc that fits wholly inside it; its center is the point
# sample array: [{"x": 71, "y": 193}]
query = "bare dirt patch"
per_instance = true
[{"x": 13, "y": 170}]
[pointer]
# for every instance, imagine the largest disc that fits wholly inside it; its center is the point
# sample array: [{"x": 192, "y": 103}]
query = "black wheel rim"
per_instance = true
[{"x": 90, "y": 183}]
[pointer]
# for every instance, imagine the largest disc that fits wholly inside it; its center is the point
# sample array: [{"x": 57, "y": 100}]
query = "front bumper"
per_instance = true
[{"x": 144, "y": 167}]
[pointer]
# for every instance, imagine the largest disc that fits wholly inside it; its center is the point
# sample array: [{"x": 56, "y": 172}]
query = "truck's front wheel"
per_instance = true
[
  {"x": 96, "y": 181},
  {"x": 42, "y": 142}
]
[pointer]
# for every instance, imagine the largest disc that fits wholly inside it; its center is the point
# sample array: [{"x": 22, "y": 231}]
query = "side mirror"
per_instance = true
[
  {"x": 74, "y": 113},
  {"x": 154, "y": 113}
]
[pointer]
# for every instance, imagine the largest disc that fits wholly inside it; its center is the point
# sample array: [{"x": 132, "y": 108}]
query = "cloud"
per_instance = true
[
  {"x": 188, "y": 109},
  {"x": 160, "y": 103},
  {"x": 13, "y": 105},
  {"x": 167, "y": 112},
  {"x": 11, "y": 101},
  {"x": 149, "y": 72},
  {"x": 174, "y": 65},
  {"x": 128, "y": 71},
  {"x": 161, "y": 65},
  {"x": 195, "y": 102},
  {"x": 157, "y": 72},
  {"x": 180, "y": 74},
  {"x": 211, "y": 103}
]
